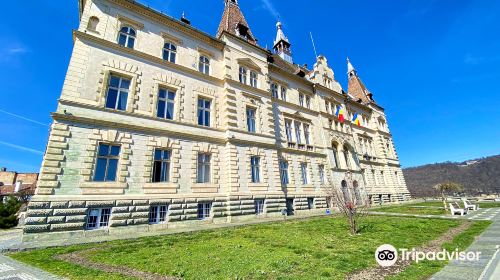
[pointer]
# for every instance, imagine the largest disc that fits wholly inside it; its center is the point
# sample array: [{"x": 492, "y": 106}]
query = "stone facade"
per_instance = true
[{"x": 276, "y": 90}]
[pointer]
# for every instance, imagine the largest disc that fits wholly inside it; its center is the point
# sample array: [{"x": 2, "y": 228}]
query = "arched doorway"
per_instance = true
[{"x": 345, "y": 191}]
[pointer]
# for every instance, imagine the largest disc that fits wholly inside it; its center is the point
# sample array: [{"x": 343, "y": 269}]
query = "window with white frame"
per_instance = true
[
  {"x": 307, "y": 136},
  {"x": 107, "y": 163},
  {"x": 301, "y": 99},
  {"x": 253, "y": 79},
  {"x": 203, "y": 168},
  {"x": 298, "y": 132},
  {"x": 117, "y": 93},
  {"x": 161, "y": 166},
  {"x": 327, "y": 106},
  {"x": 158, "y": 214},
  {"x": 243, "y": 75},
  {"x": 335, "y": 156},
  {"x": 98, "y": 218},
  {"x": 126, "y": 37},
  {"x": 303, "y": 170},
  {"x": 204, "y": 111},
  {"x": 346, "y": 157},
  {"x": 259, "y": 206},
  {"x": 169, "y": 52},
  {"x": 255, "y": 169},
  {"x": 284, "y": 172},
  {"x": 204, "y": 210},
  {"x": 283, "y": 93},
  {"x": 274, "y": 90},
  {"x": 166, "y": 101},
  {"x": 288, "y": 130},
  {"x": 321, "y": 168},
  {"x": 310, "y": 203},
  {"x": 204, "y": 65},
  {"x": 308, "y": 102},
  {"x": 251, "y": 115}
]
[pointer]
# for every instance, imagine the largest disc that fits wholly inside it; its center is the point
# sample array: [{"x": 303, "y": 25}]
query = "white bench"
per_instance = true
[
  {"x": 469, "y": 205},
  {"x": 457, "y": 210}
]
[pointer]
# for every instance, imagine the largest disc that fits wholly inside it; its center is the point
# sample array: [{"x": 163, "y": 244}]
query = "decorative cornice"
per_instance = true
[
  {"x": 169, "y": 21},
  {"x": 89, "y": 37}
]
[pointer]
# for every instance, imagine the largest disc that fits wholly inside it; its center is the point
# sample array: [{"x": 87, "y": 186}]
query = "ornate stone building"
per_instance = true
[{"x": 161, "y": 125}]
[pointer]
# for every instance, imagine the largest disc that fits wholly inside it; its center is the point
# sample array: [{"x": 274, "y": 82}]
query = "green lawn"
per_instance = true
[{"x": 318, "y": 248}]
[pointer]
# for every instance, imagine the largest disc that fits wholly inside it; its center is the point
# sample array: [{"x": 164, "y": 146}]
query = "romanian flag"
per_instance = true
[
  {"x": 356, "y": 120},
  {"x": 340, "y": 113}
]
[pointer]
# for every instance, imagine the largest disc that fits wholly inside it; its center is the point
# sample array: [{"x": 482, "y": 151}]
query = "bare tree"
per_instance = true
[
  {"x": 347, "y": 197},
  {"x": 446, "y": 187}
]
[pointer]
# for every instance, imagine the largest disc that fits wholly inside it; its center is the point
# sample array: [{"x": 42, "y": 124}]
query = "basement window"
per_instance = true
[{"x": 98, "y": 218}]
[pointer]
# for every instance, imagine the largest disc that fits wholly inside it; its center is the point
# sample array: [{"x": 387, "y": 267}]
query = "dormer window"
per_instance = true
[
  {"x": 126, "y": 37},
  {"x": 242, "y": 31}
]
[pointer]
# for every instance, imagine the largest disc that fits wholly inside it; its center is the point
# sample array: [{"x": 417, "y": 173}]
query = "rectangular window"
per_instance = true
[
  {"x": 161, "y": 166},
  {"x": 327, "y": 106},
  {"x": 283, "y": 93},
  {"x": 107, "y": 163},
  {"x": 288, "y": 130},
  {"x": 243, "y": 75},
  {"x": 274, "y": 90},
  {"x": 165, "y": 107},
  {"x": 203, "y": 168},
  {"x": 298, "y": 133},
  {"x": 306, "y": 134},
  {"x": 310, "y": 203},
  {"x": 253, "y": 79},
  {"x": 251, "y": 119},
  {"x": 158, "y": 214},
  {"x": 255, "y": 169},
  {"x": 117, "y": 95},
  {"x": 259, "y": 206},
  {"x": 321, "y": 173},
  {"x": 204, "y": 210},
  {"x": 303, "y": 169},
  {"x": 98, "y": 217},
  {"x": 301, "y": 99},
  {"x": 284, "y": 172},
  {"x": 308, "y": 102},
  {"x": 204, "y": 112}
]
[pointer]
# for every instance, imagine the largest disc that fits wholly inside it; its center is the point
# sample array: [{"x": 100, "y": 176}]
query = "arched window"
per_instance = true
[
  {"x": 93, "y": 22},
  {"x": 346, "y": 157},
  {"x": 169, "y": 52},
  {"x": 357, "y": 192},
  {"x": 253, "y": 79},
  {"x": 127, "y": 37},
  {"x": 335, "y": 155},
  {"x": 204, "y": 65},
  {"x": 345, "y": 191},
  {"x": 243, "y": 75}
]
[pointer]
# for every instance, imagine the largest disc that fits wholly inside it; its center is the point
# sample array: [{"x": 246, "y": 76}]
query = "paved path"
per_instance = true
[
  {"x": 10, "y": 238},
  {"x": 488, "y": 266},
  {"x": 13, "y": 270}
]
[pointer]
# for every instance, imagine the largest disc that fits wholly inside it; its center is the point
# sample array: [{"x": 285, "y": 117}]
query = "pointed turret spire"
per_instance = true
[
  {"x": 235, "y": 23},
  {"x": 356, "y": 88},
  {"x": 282, "y": 45}
]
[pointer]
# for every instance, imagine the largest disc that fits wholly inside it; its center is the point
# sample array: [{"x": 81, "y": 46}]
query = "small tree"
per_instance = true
[
  {"x": 8, "y": 212},
  {"x": 446, "y": 187},
  {"x": 348, "y": 199}
]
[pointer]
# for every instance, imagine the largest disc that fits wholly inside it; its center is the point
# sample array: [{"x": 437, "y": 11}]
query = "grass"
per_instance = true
[
  {"x": 318, "y": 248},
  {"x": 424, "y": 269}
]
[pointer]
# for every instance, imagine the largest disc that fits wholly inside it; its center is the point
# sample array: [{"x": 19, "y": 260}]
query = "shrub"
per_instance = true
[{"x": 8, "y": 212}]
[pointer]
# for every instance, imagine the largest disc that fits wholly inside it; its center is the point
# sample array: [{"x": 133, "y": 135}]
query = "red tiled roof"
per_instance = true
[{"x": 231, "y": 18}]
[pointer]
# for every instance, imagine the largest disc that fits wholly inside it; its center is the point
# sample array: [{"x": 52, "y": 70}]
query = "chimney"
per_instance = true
[{"x": 184, "y": 19}]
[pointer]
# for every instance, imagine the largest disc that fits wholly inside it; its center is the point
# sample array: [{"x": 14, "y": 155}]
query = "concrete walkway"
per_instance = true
[
  {"x": 13, "y": 270},
  {"x": 488, "y": 266}
]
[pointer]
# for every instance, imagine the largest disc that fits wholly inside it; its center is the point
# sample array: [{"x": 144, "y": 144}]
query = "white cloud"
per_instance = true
[
  {"x": 17, "y": 50},
  {"x": 268, "y": 6},
  {"x": 22, "y": 148}
]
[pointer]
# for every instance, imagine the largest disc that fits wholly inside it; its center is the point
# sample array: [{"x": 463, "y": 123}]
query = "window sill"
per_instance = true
[
  {"x": 160, "y": 188},
  {"x": 258, "y": 187},
  {"x": 103, "y": 187},
  {"x": 204, "y": 188}
]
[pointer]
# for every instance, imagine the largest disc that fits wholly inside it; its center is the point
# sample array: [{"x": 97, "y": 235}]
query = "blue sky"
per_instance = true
[{"x": 433, "y": 64}]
